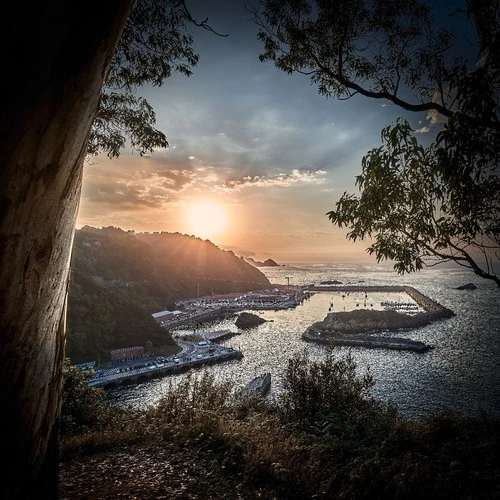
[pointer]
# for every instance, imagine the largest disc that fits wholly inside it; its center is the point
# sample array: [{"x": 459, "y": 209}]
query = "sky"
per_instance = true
[{"x": 256, "y": 157}]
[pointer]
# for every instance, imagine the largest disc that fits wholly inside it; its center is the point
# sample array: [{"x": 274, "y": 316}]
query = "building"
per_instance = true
[
  {"x": 164, "y": 316},
  {"x": 126, "y": 353}
]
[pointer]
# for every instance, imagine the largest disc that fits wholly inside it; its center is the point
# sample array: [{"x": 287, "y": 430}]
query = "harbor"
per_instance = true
[
  {"x": 201, "y": 348},
  {"x": 355, "y": 328}
]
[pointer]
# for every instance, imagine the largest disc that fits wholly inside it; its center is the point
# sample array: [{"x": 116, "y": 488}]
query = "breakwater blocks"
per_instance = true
[
  {"x": 356, "y": 328},
  {"x": 363, "y": 340}
]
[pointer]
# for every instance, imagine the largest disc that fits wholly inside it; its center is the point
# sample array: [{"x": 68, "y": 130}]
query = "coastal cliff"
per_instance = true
[{"x": 119, "y": 278}]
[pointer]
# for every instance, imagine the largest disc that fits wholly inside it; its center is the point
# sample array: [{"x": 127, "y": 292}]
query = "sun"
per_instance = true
[{"x": 206, "y": 220}]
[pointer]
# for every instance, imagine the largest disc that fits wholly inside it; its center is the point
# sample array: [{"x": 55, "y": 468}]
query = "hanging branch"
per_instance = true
[{"x": 203, "y": 24}]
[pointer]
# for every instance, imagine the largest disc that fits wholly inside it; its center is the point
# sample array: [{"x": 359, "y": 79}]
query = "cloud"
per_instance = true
[
  {"x": 282, "y": 179},
  {"x": 434, "y": 117},
  {"x": 174, "y": 179},
  {"x": 132, "y": 182},
  {"x": 423, "y": 130}
]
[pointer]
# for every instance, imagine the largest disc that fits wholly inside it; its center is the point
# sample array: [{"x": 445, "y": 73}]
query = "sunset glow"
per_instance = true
[{"x": 206, "y": 220}]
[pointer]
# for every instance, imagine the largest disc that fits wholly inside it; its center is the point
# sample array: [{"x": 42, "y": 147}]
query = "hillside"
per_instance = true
[{"x": 119, "y": 278}]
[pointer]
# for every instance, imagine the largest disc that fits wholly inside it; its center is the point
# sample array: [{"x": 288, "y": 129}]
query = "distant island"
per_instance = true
[{"x": 257, "y": 263}]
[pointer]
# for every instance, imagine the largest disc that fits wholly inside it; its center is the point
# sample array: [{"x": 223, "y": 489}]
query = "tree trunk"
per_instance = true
[{"x": 55, "y": 55}]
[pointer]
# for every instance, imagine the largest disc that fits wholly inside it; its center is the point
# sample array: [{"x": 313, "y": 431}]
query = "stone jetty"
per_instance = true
[
  {"x": 363, "y": 340},
  {"x": 356, "y": 328}
]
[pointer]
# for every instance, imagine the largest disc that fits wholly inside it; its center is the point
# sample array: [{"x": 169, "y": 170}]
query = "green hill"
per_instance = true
[{"x": 119, "y": 278}]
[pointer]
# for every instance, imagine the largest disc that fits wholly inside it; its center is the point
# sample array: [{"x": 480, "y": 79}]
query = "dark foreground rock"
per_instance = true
[
  {"x": 467, "y": 286},
  {"x": 156, "y": 472},
  {"x": 248, "y": 320}
]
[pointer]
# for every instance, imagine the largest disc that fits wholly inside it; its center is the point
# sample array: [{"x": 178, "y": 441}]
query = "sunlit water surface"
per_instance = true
[{"x": 461, "y": 373}]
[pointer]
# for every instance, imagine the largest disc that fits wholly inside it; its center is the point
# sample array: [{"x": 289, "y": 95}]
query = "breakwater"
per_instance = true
[
  {"x": 156, "y": 370},
  {"x": 350, "y": 328},
  {"x": 362, "y": 340},
  {"x": 433, "y": 309}
]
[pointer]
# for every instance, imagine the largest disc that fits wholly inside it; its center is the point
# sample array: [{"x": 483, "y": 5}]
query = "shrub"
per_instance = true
[
  {"x": 84, "y": 408},
  {"x": 331, "y": 387}
]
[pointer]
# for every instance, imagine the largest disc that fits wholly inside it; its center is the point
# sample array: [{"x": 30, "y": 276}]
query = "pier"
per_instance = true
[{"x": 129, "y": 375}]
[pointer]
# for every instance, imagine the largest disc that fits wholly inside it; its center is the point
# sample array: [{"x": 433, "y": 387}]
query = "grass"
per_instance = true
[{"x": 335, "y": 443}]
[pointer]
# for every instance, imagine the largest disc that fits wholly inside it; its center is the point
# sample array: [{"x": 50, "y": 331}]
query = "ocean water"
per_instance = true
[{"x": 460, "y": 374}]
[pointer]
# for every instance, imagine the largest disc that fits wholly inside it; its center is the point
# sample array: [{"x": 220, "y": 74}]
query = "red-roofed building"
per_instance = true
[{"x": 126, "y": 353}]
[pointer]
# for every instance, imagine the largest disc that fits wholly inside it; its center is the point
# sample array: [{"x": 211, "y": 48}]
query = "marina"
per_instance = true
[{"x": 459, "y": 373}]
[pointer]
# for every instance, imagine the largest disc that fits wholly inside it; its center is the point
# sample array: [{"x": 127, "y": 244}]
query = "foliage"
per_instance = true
[
  {"x": 84, "y": 408},
  {"x": 194, "y": 398},
  {"x": 154, "y": 43},
  {"x": 394, "y": 50},
  {"x": 356, "y": 447},
  {"x": 312, "y": 390},
  {"x": 413, "y": 213}
]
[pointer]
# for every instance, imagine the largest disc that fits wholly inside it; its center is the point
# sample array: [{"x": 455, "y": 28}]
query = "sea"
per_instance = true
[{"x": 460, "y": 374}]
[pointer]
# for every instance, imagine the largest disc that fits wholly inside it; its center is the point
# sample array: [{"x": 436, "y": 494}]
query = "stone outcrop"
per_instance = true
[
  {"x": 467, "y": 286},
  {"x": 258, "y": 263},
  {"x": 248, "y": 320},
  {"x": 364, "y": 320},
  {"x": 269, "y": 263}
]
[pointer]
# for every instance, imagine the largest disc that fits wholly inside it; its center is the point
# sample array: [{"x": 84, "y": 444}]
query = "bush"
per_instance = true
[
  {"x": 316, "y": 389},
  {"x": 84, "y": 408}
]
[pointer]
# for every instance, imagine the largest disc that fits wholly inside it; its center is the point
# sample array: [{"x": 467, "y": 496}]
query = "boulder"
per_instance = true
[
  {"x": 248, "y": 320},
  {"x": 467, "y": 286}
]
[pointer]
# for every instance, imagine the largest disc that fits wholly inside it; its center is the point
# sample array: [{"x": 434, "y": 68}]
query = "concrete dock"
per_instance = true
[{"x": 130, "y": 375}]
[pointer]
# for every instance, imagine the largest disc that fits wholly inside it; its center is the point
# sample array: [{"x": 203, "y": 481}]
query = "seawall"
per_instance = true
[{"x": 357, "y": 324}]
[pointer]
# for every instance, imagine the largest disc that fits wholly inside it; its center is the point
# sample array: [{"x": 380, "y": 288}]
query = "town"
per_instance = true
[{"x": 131, "y": 364}]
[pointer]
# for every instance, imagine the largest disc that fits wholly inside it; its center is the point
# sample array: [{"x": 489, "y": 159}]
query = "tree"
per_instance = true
[
  {"x": 83, "y": 407},
  {"x": 392, "y": 50},
  {"x": 153, "y": 44},
  {"x": 416, "y": 215},
  {"x": 59, "y": 55}
]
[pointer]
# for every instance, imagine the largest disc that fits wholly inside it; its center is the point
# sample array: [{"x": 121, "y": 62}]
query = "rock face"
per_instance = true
[
  {"x": 349, "y": 329},
  {"x": 467, "y": 286},
  {"x": 363, "y": 320},
  {"x": 269, "y": 263},
  {"x": 258, "y": 263},
  {"x": 248, "y": 320}
]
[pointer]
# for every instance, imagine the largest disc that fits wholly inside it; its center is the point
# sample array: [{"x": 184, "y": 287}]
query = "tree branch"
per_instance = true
[
  {"x": 426, "y": 106},
  {"x": 203, "y": 24}
]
